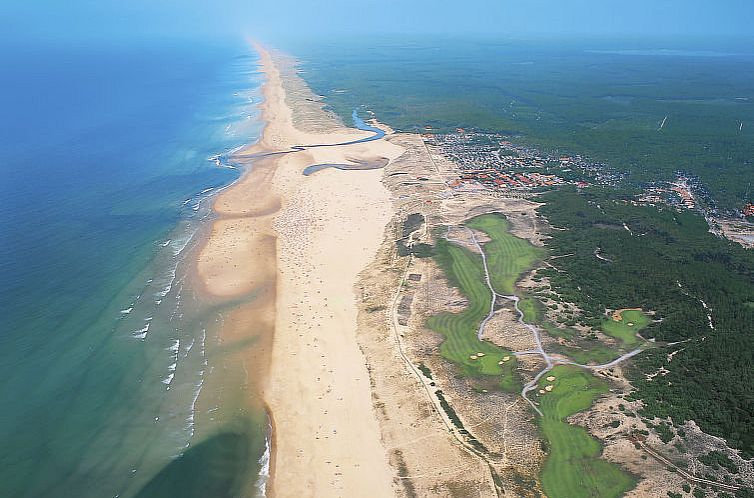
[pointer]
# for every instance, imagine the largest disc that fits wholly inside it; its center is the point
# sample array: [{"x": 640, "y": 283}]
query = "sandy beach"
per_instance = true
[{"x": 295, "y": 246}]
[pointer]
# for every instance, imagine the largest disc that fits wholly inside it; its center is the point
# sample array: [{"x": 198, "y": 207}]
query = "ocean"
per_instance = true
[{"x": 110, "y": 159}]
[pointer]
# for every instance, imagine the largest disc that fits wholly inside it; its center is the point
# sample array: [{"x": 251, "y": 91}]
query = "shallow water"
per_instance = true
[
  {"x": 105, "y": 348},
  {"x": 357, "y": 166}
]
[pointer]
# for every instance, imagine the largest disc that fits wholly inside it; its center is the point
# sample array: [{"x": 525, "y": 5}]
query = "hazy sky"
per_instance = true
[{"x": 273, "y": 19}]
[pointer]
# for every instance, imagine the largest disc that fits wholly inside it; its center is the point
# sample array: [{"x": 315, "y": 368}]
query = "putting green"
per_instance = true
[{"x": 621, "y": 329}]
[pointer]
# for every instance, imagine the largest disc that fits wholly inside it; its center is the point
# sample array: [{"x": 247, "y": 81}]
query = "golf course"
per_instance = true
[
  {"x": 508, "y": 258},
  {"x": 573, "y": 468},
  {"x": 461, "y": 345}
]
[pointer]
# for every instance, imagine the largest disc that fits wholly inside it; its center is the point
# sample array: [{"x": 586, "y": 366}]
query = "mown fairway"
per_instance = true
[
  {"x": 464, "y": 270},
  {"x": 622, "y": 330},
  {"x": 573, "y": 468},
  {"x": 508, "y": 257}
]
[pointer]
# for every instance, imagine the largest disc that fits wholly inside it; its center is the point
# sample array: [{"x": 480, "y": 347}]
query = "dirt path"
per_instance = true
[
  {"x": 429, "y": 390},
  {"x": 680, "y": 471}
]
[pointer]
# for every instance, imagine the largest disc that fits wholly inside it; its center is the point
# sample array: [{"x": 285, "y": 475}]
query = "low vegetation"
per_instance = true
[
  {"x": 420, "y": 250},
  {"x": 592, "y": 353},
  {"x": 717, "y": 460}
]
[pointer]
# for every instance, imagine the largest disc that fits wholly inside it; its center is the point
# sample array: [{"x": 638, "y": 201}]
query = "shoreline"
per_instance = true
[
  {"x": 291, "y": 247},
  {"x": 319, "y": 358}
]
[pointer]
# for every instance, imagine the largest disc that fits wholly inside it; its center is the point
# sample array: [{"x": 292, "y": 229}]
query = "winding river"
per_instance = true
[{"x": 359, "y": 123}]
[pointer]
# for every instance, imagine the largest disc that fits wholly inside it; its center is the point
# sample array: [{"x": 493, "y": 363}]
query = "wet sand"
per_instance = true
[{"x": 293, "y": 245}]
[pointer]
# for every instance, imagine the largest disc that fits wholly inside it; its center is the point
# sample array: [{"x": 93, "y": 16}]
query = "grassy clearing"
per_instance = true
[
  {"x": 573, "y": 468},
  {"x": 534, "y": 313},
  {"x": 465, "y": 270},
  {"x": 624, "y": 332}
]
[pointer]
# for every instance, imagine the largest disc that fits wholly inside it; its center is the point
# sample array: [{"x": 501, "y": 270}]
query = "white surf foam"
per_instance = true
[
  {"x": 141, "y": 333},
  {"x": 188, "y": 348},
  {"x": 192, "y": 411},
  {"x": 264, "y": 467},
  {"x": 198, "y": 388},
  {"x": 167, "y": 380}
]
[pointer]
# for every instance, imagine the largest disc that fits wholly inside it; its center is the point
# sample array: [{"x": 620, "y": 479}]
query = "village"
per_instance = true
[
  {"x": 489, "y": 160},
  {"x": 678, "y": 193}
]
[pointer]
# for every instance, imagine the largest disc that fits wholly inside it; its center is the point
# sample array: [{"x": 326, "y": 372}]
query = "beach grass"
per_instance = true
[
  {"x": 573, "y": 468},
  {"x": 632, "y": 321}
]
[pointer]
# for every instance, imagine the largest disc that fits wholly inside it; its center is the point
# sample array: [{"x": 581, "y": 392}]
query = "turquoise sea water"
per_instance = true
[{"x": 105, "y": 350}]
